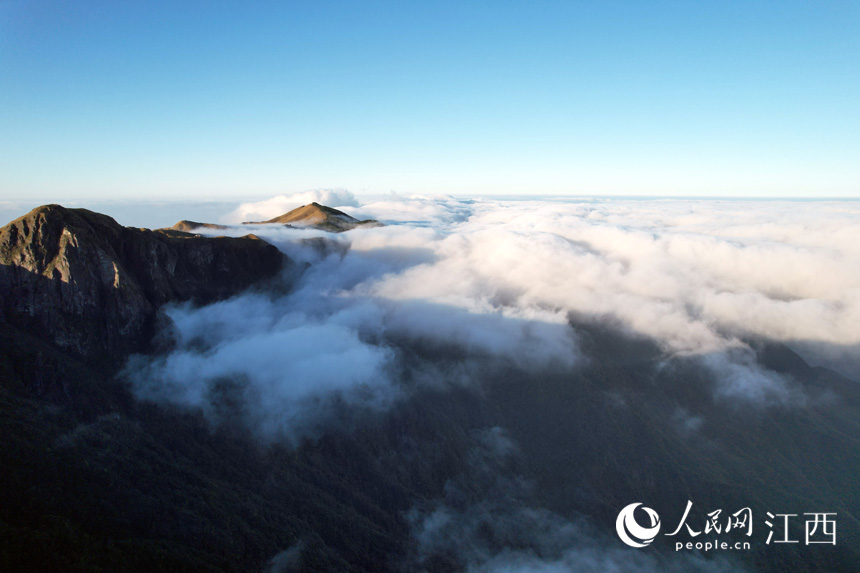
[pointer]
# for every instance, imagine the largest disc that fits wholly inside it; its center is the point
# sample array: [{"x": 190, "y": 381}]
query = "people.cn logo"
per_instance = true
[{"x": 631, "y": 532}]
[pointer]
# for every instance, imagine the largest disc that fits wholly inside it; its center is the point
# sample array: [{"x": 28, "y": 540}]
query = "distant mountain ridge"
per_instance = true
[
  {"x": 191, "y": 226},
  {"x": 319, "y": 217}
]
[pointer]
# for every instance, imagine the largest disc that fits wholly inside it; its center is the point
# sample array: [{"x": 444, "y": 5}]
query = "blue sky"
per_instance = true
[{"x": 248, "y": 99}]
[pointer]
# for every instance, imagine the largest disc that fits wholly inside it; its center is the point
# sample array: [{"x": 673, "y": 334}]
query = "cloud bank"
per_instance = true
[
  {"x": 693, "y": 275},
  {"x": 511, "y": 280},
  {"x": 697, "y": 276},
  {"x": 453, "y": 292}
]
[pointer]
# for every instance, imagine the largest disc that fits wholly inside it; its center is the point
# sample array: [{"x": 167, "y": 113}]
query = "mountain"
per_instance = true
[
  {"x": 93, "y": 287},
  {"x": 636, "y": 426},
  {"x": 319, "y": 217},
  {"x": 191, "y": 226},
  {"x": 94, "y": 480}
]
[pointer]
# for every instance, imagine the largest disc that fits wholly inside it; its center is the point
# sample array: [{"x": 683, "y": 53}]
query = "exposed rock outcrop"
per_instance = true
[
  {"x": 319, "y": 217},
  {"x": 92, "y": 286}
]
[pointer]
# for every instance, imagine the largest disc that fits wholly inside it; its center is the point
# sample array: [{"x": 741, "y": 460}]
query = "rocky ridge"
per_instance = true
[{"x": 93, "y": 287}]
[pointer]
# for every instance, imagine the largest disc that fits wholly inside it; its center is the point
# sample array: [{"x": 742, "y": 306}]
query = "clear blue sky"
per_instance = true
[{"x": 132, "y": 99}]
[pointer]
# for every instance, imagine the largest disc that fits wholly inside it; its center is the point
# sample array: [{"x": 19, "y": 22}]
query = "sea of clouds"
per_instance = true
[
  {"x": 512, "y": 280},
  {"x": 485, "y": 284}
]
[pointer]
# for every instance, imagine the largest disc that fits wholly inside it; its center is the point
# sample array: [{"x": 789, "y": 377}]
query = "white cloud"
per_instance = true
[
  {"x": 284, "y": 366},
  {"x": 486, "y": 287},
  {"x": 693, "y": 275},
  {"x": 506, "y": 279}
]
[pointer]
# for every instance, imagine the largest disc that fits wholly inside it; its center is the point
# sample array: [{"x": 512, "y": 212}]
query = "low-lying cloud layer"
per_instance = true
[
  {"x": 697, "y": 276},
  {"x": 451, "y": 291},
  {"x": 694, "y": 275},
  {"x": 508, "y": 279}
]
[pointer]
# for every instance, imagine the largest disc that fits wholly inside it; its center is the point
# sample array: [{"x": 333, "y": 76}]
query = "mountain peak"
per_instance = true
[
  {"x": 187, "y": 226},
  {"x": 319, "y": 217},
  {"x": 95, "y": 285}
]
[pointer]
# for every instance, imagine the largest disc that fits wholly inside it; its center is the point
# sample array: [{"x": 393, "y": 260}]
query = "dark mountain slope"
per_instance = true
[
  {"x": 95, "y": 481},
  {"x": 633, "y": 426}
]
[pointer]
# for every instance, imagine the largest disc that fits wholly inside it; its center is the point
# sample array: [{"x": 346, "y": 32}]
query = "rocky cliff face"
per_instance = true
[{"x": 93, "y": 287}]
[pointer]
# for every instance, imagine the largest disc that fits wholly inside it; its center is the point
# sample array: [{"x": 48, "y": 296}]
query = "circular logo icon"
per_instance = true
[{"x": 631, "y": 532}]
